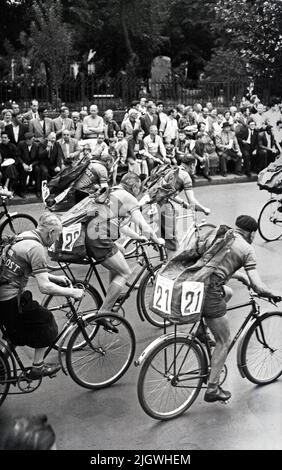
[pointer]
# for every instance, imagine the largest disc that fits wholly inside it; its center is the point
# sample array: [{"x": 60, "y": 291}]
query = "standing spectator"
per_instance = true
[
  {"x": 248, "y": 143},
  {"x": 267, "y": 150},
  {"x": 93, "y": 125},
  {"x": 62, "y": 122},
  {"x": 197, "y": 112},
  {"x": 209, "y": 106},
  {"x": 136, "y": 154},
  {"x": 273, "y": 114},
  {"x": 33, "y": 112},
  {"x": 77, "y": 132},
  {"x": 180, "y": 108},
  {"x": 131, "y": 123},
  {"x": 149, "y": 119},
  {"x": 153, "y": 145},
  {"x": 16, "y": 131},
  {"x": 188, "y": 119},
  {"x": 171, "y": 128},
  {"x": 8, "y": 156},
  {"x": 28, "y": 159},
  {"x": 70, "y": 148},
  {"x": 42, "y": 126},
  {"x": 228, "y": 118},
  {"x": 51, "y": 157},
  {"x": 111, "y": 127},
  {"x": 170, "y": 151},
  {"x": 121, "y": 145},
  {"x": 7, "y": 119},
  {"x": 259, "y": 116},
  {"x": 121, "y": 165},
  {"x": 205, "y": 119},
  {"x": 16, "y": 113},
  {"x": 162, "y": 118},
  {"x": 228, "y": 150},
  {"x": 142, "y": 108}
]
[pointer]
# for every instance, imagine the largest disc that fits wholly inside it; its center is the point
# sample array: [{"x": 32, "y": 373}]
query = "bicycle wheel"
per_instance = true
[
  {"x": 90, "y": 302},
  {"x": 144, "y": 297},
  {"x": 131, "y": 253},
  {"x": 5, "y": 375},
  {"x": 171, "y": 378},
  {"x": 261, "y": 354},
  {"x": 16, "y": 224},
  {"x": 107, "y": 359},
  {"x": 270, "y": 221}
]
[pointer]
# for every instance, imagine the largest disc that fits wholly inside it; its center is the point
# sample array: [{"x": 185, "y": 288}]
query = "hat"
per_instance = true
[
  {"x": 226, "y": 124},
  {"x": 246, "y": 222}
]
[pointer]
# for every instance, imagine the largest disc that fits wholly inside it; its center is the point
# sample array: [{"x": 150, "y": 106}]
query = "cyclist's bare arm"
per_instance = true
[
  {"x": 46, "y": 286},
  {"x": 146, "y": 229},
  {"x": 258, "y": 285},
  {"x": 129, "y": 232},
  {"x": 242, "y": 277},
  {"x": 192, "y": 200}
]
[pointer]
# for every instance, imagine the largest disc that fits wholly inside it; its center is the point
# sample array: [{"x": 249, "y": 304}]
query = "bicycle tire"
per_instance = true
[
  {"x": 152, "y": 370},
  {"x": 21, "y": 227},
  {"x": 144, "y": 296},
  {"x": 269, "y": 210},
  {"x": 154, "y": 253},
  {"x": 5, "y": 376},
  {"x": 272, "y": 330},
  {"x": 94, "y": 303},
  {"x": 109, "y": 346},
  {"x": 201, "y": 227}
]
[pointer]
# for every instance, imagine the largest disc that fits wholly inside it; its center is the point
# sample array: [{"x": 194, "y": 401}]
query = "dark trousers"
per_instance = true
[
  {"x": 247, "y": 153},
  {"x": 34, "y": 175},
  {"x": 228, "y": 159}
]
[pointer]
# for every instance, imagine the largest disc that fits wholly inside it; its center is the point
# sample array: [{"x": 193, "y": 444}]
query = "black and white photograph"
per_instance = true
[{"x": 140, "y": 230}]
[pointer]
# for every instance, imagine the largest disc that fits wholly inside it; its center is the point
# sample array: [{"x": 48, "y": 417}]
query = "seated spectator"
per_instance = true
[
  {"x": 33, "y": 112},
  {"x": 70, "y": 149},
  {"x": 111, "y": 127},
  {"x": 171, "y": 128},
  {"x": 131, "y": 123},
  {"x": 205, "y": 120},
  {"x": 228, "y": 150},
  {"x": 136, "y": 155},
  {"x": 77, "y": 132},
  {"x": 248, "y": 142},
  {"x": 150, "y": 118},
  {"x": 215, "y": 127},
  {"x": 42, "y": 126},
  {"x": 154, "y": 147},
  {"x": 16, "y": 131},
  {"x": 183, "y": 145},
  {"x": 100, "y": 148},
  {"x": 121, "y": 145},
  {"x": 8, "y": 159},
  {"x": 28, "y": 164},
  {"x": 51, "y": 158},
  {"x": 187, "y": 119},
  {"x": 170, "y": 151},
  {"x": 201, "y": 156},
  {"x": 228, "y": 118},
  {"x": 267, "y": 149},
  {"x": 211, "y": 153},
  {"x": 259, "y": 117},
  {"x": 6, "y": 119},
  {"x": 62, "y": 122},
  {"x": 121, "y": 164}
]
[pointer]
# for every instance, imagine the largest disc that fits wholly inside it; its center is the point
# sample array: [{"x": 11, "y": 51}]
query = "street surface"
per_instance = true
[{"x": 113, "y": 419}]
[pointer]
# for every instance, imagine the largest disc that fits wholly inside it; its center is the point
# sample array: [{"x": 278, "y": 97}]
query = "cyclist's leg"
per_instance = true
[
  {"x": 120, "y": 272},
  {"x": 167, "y": 220}
]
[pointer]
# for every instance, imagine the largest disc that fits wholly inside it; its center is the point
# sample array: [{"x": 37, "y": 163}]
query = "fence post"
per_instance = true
[{"x": 228, "y": 89}]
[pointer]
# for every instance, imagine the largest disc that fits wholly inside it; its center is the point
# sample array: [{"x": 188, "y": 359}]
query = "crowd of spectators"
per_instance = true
[{"x": 240, "y": 140}]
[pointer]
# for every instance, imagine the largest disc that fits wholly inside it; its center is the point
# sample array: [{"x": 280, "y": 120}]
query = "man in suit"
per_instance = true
[
  {"x": 16, "y": 131},
  {"x": 149, "y": 119},
  {"x": 42, "y": 126},
  {"x": 51, "y": 157},
  {"x": 247, "y": 137},
  {"x": 28, "y": 163},
  {"x": 33, "y": 112},
  {"x": 267, "y": 149},
  {"x": 70, "y": 148},
  {"x": 63, "y": 122},
  {"x": 228, "y": 149},
  {"x": 77, "y": 132}
]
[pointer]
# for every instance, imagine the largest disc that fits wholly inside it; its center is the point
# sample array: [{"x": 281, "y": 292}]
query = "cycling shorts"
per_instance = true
[{"x": 214, "y": 303}]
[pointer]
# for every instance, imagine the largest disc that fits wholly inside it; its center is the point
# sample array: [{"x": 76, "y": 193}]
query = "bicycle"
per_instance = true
[
  {"x": 95, "y": 358},
  {"x": 15, "y": 222},
  {"x": 93, "y": 299},
  {"x": 270, "y": 219},
  {"x": 176, "y": 365}
]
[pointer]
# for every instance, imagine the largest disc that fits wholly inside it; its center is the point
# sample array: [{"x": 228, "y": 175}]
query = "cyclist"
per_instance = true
[
  {"x": 240, "y": 255},
  {"x": 26, "y": 322},
  {"x": 103, "y": 229},
  {"x": 181, "y": 181}
]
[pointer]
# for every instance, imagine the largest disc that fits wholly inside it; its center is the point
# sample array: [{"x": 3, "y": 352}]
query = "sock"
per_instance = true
[{"x": 213, "y": 385}]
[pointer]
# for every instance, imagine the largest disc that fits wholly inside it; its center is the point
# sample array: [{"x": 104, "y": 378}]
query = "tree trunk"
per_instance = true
[{"x": 123, "y": 16}]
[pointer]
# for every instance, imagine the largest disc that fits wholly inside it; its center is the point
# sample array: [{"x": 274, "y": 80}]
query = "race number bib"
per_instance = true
[
  {"x": 44, "y": 190},
  {"x": 163, "y": 294},
  {"x": 70, "y": 235},
  {"x": 192, "y": 297}
]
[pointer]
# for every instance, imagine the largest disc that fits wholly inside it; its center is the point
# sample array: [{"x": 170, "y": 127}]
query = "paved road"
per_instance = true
[{"x": 113, "y": 419}]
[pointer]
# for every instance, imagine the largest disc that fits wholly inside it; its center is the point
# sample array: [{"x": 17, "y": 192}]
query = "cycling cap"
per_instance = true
[{"x": 246, "y": 222}]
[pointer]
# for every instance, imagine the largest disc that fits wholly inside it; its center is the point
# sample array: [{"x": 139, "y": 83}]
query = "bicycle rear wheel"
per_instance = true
[
  {"x": 58, "y": 305},
  {"x": 106, "y": 359},
  {"x": 261, "y": 354},
  {"x": 16, "y": 224},
  {"x": 5, "y": 375},
  {"x": 270, "y": 221},
  {"x": 171, "y": 378}
]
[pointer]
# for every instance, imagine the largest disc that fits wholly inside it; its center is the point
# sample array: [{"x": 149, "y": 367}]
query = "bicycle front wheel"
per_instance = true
[
  {"x": 171, "y": 378},
  {"x": 270, "y": 221},
  {"x": 105, "y": 358},
  {"x": 5, "y": 375},
  {"x": 261, "y": 354},
  {"x": 16, "y": 224},
  {"x": 58, "y": 305}
]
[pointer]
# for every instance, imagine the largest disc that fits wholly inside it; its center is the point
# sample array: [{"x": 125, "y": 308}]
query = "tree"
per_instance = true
[
  {"x": 51, "y": 40},
  {"x": 254, "y": 29},
  {"x": 225, "y": 65}
]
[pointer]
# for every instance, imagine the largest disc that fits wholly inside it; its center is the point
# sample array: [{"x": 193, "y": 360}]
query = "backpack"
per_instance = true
[
  {"x": 270, "y": 178},
  {"x": 159, "y": 187}
]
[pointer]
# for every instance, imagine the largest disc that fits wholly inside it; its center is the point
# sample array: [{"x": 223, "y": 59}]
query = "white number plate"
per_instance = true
[
  {"x": 192, "y": 297},
  {"x": 44, "y": 190},
  {"x": 163, "y": 294},
  {"x": 70, "y": 235}
]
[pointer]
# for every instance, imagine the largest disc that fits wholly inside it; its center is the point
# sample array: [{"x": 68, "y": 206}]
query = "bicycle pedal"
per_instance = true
[{"x": 226, "y": 402}]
